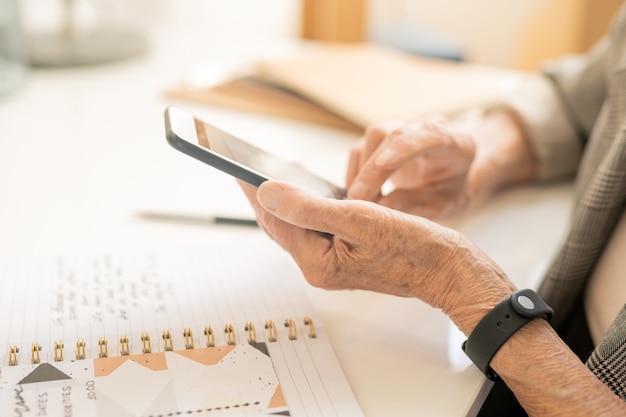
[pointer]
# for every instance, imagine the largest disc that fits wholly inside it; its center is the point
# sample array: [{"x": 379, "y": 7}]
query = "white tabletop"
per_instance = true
[{"x": 83, "y": 159}]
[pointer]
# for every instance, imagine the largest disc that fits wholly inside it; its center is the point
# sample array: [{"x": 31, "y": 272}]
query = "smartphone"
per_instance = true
[{"x": 237, "y": 157}]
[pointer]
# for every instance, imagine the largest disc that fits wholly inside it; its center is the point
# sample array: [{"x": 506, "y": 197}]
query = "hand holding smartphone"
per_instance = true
[{"x": 237, "y": 157}]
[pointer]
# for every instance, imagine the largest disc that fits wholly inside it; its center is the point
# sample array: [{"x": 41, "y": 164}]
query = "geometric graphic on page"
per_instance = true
[
  {"x": 44, "y": 372},
  {"x": 49, "y": 389},
  {"x": 213, "y": 381}
]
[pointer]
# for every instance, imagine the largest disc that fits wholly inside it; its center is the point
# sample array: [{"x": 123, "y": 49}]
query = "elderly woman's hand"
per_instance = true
[
  {"x": 426, "y": 161},
  {"x": 345, "y": 244}
]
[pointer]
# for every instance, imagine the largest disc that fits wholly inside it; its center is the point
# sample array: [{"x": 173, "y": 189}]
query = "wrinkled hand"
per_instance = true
[
  {"x": 426, "y": 161},
  {"x": 349, "y": 244}
]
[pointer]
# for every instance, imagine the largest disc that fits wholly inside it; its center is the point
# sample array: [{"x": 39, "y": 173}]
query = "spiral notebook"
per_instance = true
[{"x": 220, "y": 330}]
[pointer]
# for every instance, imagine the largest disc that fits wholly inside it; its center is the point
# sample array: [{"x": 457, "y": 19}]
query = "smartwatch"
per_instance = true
[{"x": 506, "y": 318}]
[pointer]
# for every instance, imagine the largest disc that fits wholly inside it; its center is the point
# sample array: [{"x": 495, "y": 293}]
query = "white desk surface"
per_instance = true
[{"x": 83, "y": 154}]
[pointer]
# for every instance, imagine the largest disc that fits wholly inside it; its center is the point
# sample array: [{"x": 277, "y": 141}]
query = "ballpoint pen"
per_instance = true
[{"x": 197, "y": 219}]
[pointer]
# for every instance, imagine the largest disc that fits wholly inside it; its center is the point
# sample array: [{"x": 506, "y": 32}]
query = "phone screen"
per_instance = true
[{"x": 267, "y": 165}]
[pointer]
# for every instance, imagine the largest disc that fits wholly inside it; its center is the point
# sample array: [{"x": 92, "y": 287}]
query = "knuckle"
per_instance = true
[{"x": 374, "y": 133}]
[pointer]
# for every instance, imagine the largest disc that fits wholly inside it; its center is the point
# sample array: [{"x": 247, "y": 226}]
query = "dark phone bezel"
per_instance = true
[
  {"x": 221, "y": 162},
  {"x": 209, "y": 157}
]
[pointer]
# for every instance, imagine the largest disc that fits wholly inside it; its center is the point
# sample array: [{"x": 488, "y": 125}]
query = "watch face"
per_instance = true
[
  {"x": 525, "y": 302},
  {"x": 528, "y": 304}
]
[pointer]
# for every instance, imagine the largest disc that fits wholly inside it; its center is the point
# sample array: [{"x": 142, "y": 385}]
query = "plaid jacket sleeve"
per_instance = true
[
  {"x": 592, "y": 91},
  {"x": 575, "y": 118},
  {"x": 608, "y": 360}
]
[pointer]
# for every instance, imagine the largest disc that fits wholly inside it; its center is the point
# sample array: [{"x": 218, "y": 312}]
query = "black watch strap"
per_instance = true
[{"x": 506, "y": 318}]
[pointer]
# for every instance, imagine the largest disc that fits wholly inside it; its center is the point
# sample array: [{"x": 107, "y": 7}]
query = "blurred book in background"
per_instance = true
[{"x": 351, "y": 86}]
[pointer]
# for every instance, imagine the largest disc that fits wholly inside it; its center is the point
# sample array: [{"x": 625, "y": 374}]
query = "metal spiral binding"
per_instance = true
[
  {"x": 104, "y": 348},
  {"x": 145, "y": 339},
  {"x": 124, "y": 346},
  {"x": 271, "y": 327},
  {"x": 208, "y": 331},
  {"x": 34, "y": 353},
  {"x": 293, "y": 334},
  {"x": 251, "y": 332},
  {"x": 188, "y": 335},
  {"x": 309, "y": 322},
  {"x": 125, "y": 350},
  {"x": 230, "y": 334},
  {"x": 80, "y": 349},
  {"x": 13, "y": 351},
  {"x": 58, "y": 351}
]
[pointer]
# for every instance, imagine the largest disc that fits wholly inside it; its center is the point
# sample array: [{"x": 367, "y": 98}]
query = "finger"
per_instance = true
[
  {"x": 360, "y": 153},
  {"x": 367, "y": 181},
  {"x": 339, "y": 218},
  {"x": 401, "y": 146},
  {"x": 354, "y": 162},
  {"x": 300, "y": 241},
  {"x": 374, "y": 136},
  {"x": 414, "y": 139},
  {"x": 360, "y": 160}
]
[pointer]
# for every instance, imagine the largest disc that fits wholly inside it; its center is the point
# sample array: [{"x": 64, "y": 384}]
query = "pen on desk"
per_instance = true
[
  {"x": 199, "y": 220},
  {"x": 237, "y": 221}
]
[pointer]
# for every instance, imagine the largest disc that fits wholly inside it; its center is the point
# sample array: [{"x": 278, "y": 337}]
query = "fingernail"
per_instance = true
[
  {"x": 358, "y": 191},
  {"x": 386, "y": 157},
  {"x": 269, "y": 195}
]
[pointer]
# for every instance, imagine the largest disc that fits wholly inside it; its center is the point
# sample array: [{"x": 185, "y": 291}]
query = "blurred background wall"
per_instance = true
[
  {"x": 514, "y": 34},
  {"x": 517, "y": 34}
]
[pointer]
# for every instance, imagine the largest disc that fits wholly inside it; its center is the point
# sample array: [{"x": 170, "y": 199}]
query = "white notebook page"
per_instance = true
[{"x": 112, "y": 313}]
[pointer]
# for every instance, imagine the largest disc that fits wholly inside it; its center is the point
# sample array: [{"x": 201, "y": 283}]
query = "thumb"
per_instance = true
[
  {"x": 270, "y": 194},
  {"x": 299, "y": 208}
]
